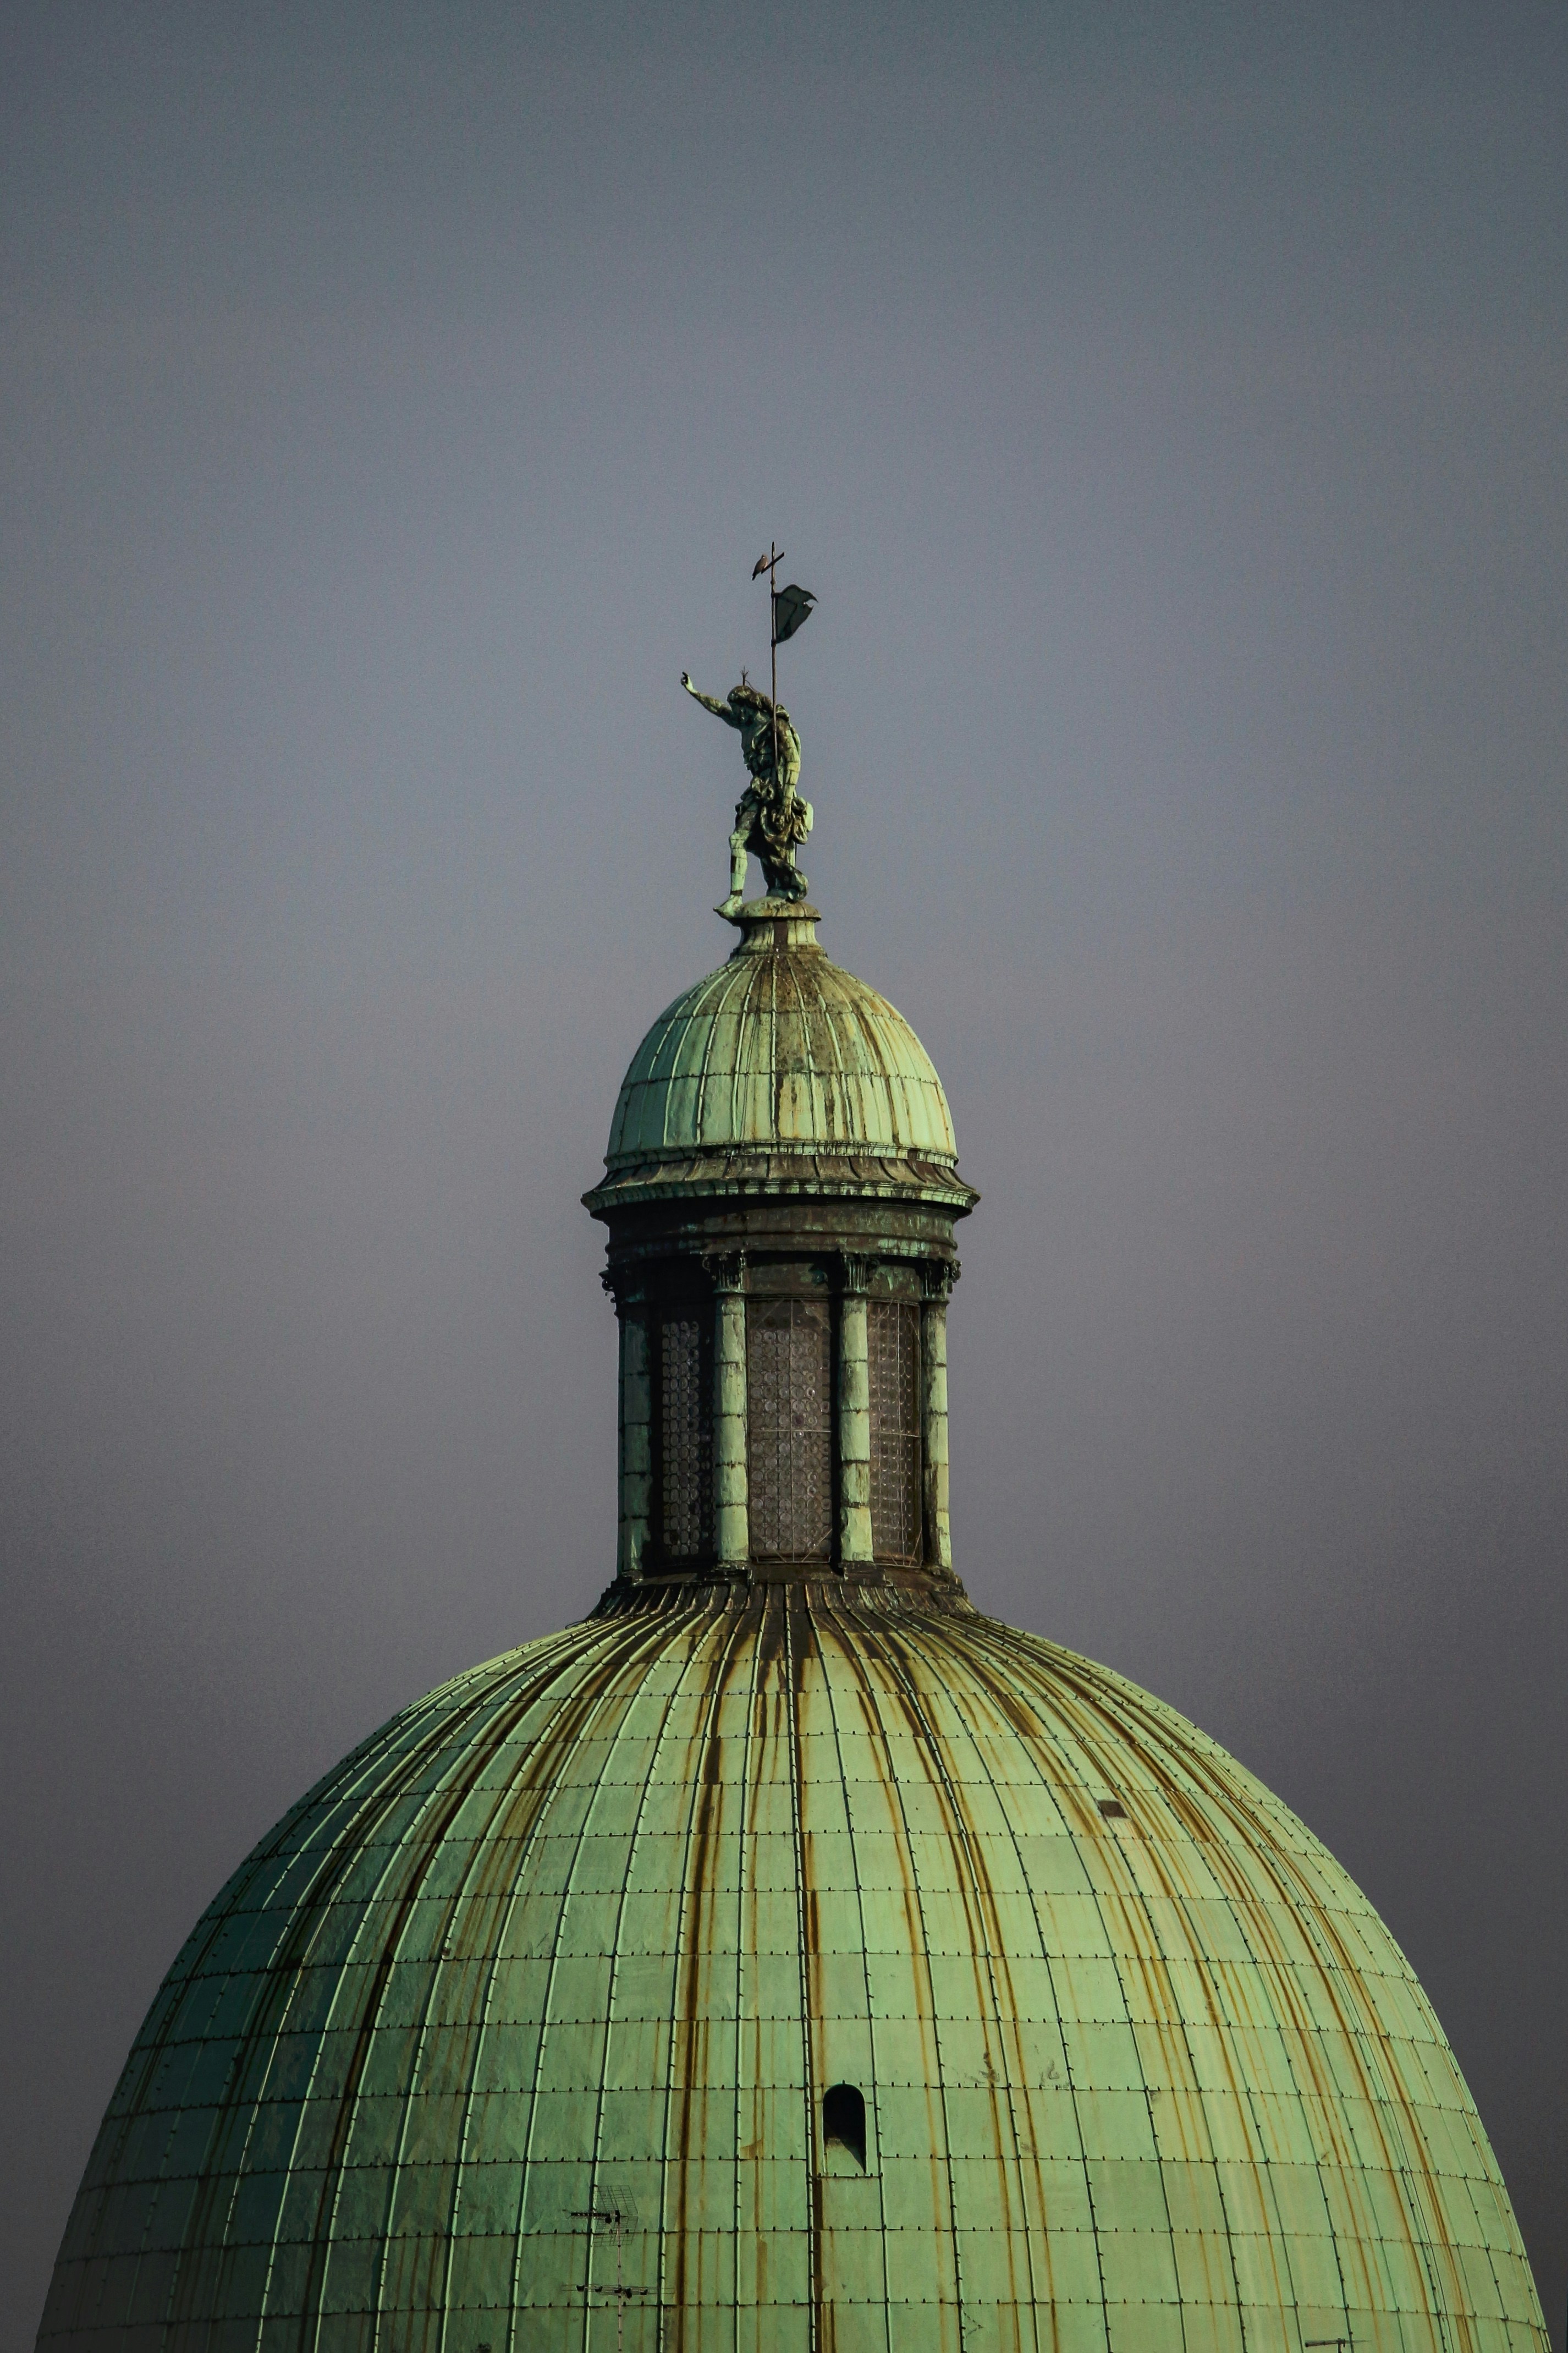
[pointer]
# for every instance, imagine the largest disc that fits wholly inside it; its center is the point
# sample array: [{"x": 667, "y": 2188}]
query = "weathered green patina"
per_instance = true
[
  {"x": 781, "y": 1071},
  {"x": 517, "y": 2032},
  {"x": 772, "y": 817},
  {"x": 789, "y": 1958}
]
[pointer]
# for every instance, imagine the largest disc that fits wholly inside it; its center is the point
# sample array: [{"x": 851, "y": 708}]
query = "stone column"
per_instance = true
[
  {"x": 635, "y": 1439},
  {"x": 854, "y": 1418},
  {"x": 938, "y": 1280},
  {"x": 732, "y": 1535}
]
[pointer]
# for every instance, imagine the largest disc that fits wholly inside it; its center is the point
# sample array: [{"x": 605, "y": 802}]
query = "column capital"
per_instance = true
[
  {"x": 726, "y": 1270},
  {"x": 938, "y": 1276},
  {"x": 854, "y": 1272}
]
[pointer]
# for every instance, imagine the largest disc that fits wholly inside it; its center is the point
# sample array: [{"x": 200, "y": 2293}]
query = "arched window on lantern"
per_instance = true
[
  {"x": 893, "y": 1379},
  {"x": 683, "y": 1418}
]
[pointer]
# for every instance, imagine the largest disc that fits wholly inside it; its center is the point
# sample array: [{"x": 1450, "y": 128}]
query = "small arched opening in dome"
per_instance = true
[{"x": 844, "y": 2121}]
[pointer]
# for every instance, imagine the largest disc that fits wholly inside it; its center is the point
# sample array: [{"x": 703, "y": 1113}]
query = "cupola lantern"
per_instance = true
[{"x": 780, "y": 1190}]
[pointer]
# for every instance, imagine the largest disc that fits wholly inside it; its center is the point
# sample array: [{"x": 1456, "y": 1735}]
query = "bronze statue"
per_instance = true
[{"x": 771, "y": 816}]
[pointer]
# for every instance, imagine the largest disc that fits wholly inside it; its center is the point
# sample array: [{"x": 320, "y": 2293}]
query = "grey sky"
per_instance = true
[{"x": 1167, "y": 407}]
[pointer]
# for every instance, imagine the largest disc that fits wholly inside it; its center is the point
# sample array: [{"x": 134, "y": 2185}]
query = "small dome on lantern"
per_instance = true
[{"x": 782, "y": 1072}]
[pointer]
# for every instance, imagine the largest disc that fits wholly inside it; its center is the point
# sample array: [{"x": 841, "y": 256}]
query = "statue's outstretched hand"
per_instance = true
[{"x": 709, "y": 703}]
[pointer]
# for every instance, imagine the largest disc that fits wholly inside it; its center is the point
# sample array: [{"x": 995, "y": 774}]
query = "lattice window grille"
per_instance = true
[
  {"x": 686, "y": 1435},
  {"x": 892, "y": 1341},
  {"x": 789, "y": 1416}
]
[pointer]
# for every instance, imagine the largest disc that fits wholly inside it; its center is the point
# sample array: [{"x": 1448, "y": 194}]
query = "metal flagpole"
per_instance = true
[
  {"x": 799, "y": 611},
  {"x": 774, "y": 555}
]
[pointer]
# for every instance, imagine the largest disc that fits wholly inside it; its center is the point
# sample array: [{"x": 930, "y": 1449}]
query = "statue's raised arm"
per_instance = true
[{"x": 712, "y": 702}]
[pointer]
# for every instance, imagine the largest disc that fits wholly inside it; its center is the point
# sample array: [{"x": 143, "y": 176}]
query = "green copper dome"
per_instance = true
[
  {"x": 811, "y": 1970},
  {"x": 789, "y": 1958},
  {"x": 779, "y": 1070}
]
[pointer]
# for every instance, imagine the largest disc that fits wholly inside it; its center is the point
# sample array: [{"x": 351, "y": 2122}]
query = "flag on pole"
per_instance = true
[{"x": 792, "y": 609}]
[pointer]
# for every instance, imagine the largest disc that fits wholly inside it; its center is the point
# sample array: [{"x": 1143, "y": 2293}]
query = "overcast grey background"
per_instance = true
[{"x": 1166, "y": 405}]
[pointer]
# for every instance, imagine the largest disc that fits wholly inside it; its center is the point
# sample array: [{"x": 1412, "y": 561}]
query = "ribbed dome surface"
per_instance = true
[
  {"x": 515, "y": 2033},
  {"x": 779, "y": 1050}
]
